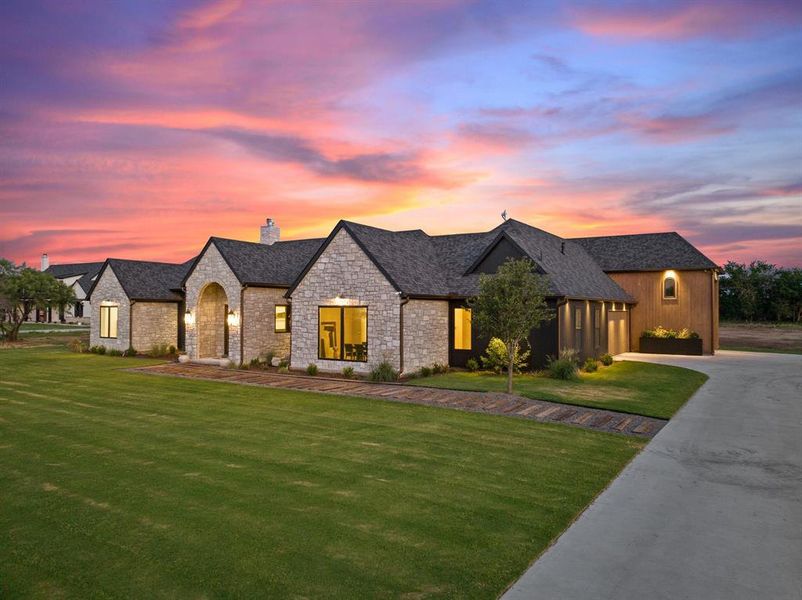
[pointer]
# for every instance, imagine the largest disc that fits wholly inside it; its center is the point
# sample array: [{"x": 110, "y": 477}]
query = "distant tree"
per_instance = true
[
  {"x": 760, "y": 291},
  {"x": 63, "y": 296},
  {"x": 510, "y": 304},
  {"x": 23, "y": 289}
]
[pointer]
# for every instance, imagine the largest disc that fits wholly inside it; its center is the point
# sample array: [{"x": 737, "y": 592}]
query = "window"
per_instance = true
[
  {"x": 343, "y": 333},
  {"x": 462, "y": 329},
  {"x": 597, "y": 327},
  {"x": 578, "y": 328},
  {"x": 670, "y": 288},
  {"x": 108, "y": 320},
  {"x": 282, "y": 322}
]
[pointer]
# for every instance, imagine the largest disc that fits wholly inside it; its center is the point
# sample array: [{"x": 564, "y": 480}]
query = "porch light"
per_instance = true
[
  {"x": 340, "y": 301},
  {"x": 232, "y": 319},
  {"x": 189, "y": 318}
]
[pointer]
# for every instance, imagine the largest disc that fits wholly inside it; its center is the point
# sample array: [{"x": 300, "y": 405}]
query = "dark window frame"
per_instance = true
[
  {"x": 673, "y": 281},
  {"x": 342, "y": 333},
  {"x": 107, "y": 308},
  {"x": 286, "y": 319}
]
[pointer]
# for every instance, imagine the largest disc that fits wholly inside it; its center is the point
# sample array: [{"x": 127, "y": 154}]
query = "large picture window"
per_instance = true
[
  {"x": 108, "y": 320},
  {"x": 462, "y": 329},
  {"x": 343, "y": 333},
  {"x": 282, "y": 322}
]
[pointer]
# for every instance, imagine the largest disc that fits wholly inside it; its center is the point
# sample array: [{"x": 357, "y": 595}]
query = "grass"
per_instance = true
[
  {"x": 633, "y": 387},
  {"x": 117, "y": 484},
  {"x": 28, "y": 329}
]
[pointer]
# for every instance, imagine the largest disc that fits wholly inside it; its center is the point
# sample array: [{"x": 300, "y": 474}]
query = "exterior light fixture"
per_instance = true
[
  {"x": 232, "y": 319},
  {"x": 189, "y": 318},
  {"x": 340, "y": 301}
]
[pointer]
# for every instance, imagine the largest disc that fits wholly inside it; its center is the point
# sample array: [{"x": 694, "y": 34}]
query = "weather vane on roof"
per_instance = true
[{"x": 504, "y": 215}]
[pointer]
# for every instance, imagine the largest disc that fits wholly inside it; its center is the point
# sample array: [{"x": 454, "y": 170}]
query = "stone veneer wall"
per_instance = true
[
  {"x": 259, "y": 323},
  {"x": 153, "y": 323},
  {"x": 212, "y": 268},
  {"x": 108, "y": 289},
  {"x": 425, "y": 333},
  {"x": 344, "y": 269}
]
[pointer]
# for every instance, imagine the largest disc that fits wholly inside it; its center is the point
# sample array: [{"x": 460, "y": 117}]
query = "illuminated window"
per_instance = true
[
  {"x": 670, "y": 288},
  {"x": 282, "y": 319},
  {"x": 597, "y": 327},
  {"x": 108, "y": 320},
  {"x": 462, "y": 329},
  {"x": 577, "y": 328},
  {"x": 343, "y": 333}
]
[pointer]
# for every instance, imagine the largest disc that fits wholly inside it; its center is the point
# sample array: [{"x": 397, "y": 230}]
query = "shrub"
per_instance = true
[
  {"x": 495, "y": 357},
  {"x": 606, "y": 359},
  {"x": 348, "y": 372},
  {"x": 383, "y": 371},
  {"x": 285, "y": 364},
  {"x": 564, "y": 367},
  {"x": 472, "y": 365},
  {"x": 158, "y": 350},
  {"x": 172, "y": 350},
  {"x": 98, "y": 349},
  {"x": 130, "y": 352},
  {"x": 311, "y": 369},
  {"x": 115, "y": 352},
  {"x": 662, "y": 332},
  {"x": 269, "y": 358},
  {"x": 77, "y": 346},
  {"x": 283, "y": 369},
  {"x": 425, "y": 371},
  {"x": 255, "y": 362},
  {"x": 687, "y": 334},
  {"x": 591, "y": 365}
]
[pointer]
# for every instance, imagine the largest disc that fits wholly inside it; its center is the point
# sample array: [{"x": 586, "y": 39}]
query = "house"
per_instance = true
[
  {"x": 137, "y": 304},
  {"x": 235, "y": 296},
  {"x": 363, "y": 295},
  {"x": 370, "y": 294},
  {"x": 676, "y": 286},
  {"x": 79, "y": 277}
]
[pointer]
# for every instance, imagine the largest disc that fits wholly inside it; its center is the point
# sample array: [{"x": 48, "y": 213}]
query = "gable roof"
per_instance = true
[
  {"x": 273, "y": 265},
  {"x": 645, "y": 252},
  {"x": 146, "y": 280},
  {"x": 420, "y": 265},
  {"x": 86, "y": 271}
]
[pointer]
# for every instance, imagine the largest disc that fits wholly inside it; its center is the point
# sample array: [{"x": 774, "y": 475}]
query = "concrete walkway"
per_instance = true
[
  {"x": 711, "y": 509},
  {"x": 483, "y": 402}
]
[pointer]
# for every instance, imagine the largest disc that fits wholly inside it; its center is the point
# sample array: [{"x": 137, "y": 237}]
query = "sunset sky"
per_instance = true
[{"x": 137, "y": 129}]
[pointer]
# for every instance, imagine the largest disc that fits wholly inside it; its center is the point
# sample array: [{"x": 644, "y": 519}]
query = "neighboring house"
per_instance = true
[
  {"x": 370, "y": 295},
  {"x": 363, "y": 295},
  {"x": 137, "y": 304},
  {"x": 78, "y": 276},
  {"x": 676, "y": 285},
  {"x": 235, "y": 303}
]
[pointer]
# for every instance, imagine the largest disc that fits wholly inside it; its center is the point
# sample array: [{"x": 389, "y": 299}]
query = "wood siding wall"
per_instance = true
[
  {"x": 696, "y": 306},
  {"x": 587, "y": 346}
]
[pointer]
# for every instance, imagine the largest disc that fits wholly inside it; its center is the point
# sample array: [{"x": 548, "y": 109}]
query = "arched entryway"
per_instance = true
[{"x": 212, "y": 323}]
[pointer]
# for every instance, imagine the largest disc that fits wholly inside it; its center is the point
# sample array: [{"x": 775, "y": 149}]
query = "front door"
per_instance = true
[{"x": 617, "y": 334}]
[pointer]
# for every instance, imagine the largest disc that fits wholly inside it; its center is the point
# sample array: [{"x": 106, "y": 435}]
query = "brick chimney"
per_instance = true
[
  {"x": 45, "y": 261},
  {"x": 269, "y": 233}
]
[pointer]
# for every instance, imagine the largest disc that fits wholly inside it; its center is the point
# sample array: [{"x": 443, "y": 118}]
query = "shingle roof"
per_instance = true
[
  {"x": 645, "y": 252},
  {"x": 144, "y": 280},
  {"x": 422, "y": 265},
  {"x": 276, "y": 264},
  {"x": 87, "y": 271}
]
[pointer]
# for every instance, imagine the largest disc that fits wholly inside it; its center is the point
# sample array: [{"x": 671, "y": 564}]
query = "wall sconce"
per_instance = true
[
  {"x": 232, "y": 319},
  {"x": 189, "y": 318},
  {"x": 340, "y": 301}
]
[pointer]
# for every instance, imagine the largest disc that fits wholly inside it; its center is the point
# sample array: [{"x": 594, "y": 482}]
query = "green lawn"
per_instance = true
[
  {"x": 51, "y": 328},
  {"x": 633, "y": 387},
  {"x": 116, "y": 484}
]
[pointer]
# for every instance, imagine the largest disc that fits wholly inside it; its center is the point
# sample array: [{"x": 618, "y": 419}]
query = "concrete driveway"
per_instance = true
[{"x": 712, "y": 508}]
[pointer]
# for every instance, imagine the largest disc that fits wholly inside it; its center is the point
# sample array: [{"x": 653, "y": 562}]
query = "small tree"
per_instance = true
[
  {"x": 22, "y": 289},
  {"x": 510, "y": 304}
]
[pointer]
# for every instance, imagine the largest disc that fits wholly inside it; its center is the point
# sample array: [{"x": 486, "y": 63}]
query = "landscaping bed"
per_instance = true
[{"x": 121, "y": 484}]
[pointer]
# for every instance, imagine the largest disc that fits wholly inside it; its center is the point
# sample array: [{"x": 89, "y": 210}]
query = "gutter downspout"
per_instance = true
[
  {"x": 404, "y": 300},
  {"x": 242, "y": 324}
]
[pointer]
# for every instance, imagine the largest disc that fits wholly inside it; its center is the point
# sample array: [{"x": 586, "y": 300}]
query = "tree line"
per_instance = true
[{"x": 760, "y": 291}]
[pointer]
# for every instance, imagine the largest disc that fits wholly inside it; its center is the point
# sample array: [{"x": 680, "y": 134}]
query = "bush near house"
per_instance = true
[
  {"x": 591, "y": 365},
  {"x": 496, "y": 358},
  {"x": 606, "y": 359},
  {"x": 311, "y": 369},
  {"x": 348, "y": 372},
  {"x": 425, "y": 371},
  {"x": 565, "y": 367},
  {"x": 383, "y": 371},
  {"x": 472, "y": 365}
]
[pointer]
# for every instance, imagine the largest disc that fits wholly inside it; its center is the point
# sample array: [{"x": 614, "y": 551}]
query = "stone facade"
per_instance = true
[
  {"x": 212, "y": 268},
  {"x": 153, "y": 323},
  {"x": 345, "y": 271},
  {"x": 109, "y": 291},
  {"x": 425, "y": 334},
  {"x": 259, "y": 325}
]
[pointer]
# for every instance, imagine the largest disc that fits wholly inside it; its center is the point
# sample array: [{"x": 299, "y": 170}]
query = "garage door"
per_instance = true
[{"x": 617, "y": 332}]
